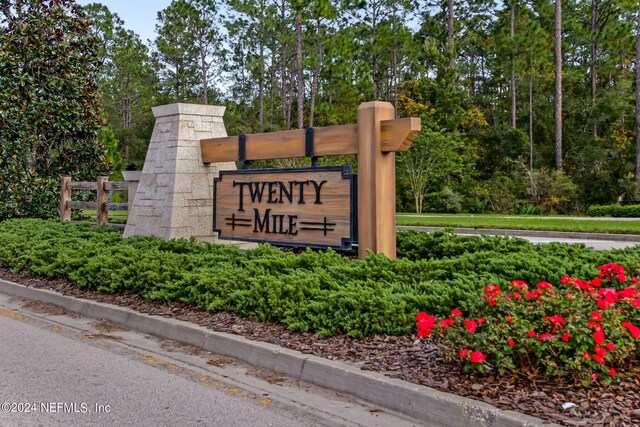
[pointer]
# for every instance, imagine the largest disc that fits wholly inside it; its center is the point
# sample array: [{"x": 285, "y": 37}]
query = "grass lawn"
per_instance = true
[
  {"x": 115, "y": 217},
  {"x": 555, "y": 223},
  {"x": 559, "y": 223}
]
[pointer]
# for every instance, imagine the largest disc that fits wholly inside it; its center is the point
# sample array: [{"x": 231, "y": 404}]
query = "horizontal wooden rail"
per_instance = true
[
  {"x": 82, "y": 205},
  {"x": 82, "y": 185},
  {"x": 102, "y": 205},
  {"x": 117, "y": 206},
  {"x": 116, "y": 186}
]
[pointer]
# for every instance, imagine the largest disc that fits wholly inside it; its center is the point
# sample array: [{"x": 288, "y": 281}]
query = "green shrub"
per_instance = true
[
  {"x": 319, "y": 291},
  {"x": 628, "y": 211},
  {"x": 582, "y": 328}
]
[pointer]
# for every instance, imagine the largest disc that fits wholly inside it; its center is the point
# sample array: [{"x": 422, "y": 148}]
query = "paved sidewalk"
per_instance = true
[{"x": 428, "y": 405}]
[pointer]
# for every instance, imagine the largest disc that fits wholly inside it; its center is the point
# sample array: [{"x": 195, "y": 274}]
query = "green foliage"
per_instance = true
[
  {"x": 579, "y": 328},
  {"x": 627, "y": 211},
  {"x": 319, "y": 291},
  {"x": 49, "y": 104}
]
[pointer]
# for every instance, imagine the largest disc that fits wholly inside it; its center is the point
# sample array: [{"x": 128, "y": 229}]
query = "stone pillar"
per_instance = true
[{"x": 175, "y": 193}]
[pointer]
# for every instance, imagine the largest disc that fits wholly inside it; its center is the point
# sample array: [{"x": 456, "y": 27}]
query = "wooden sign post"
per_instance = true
[{"x": 375, "y": 139}]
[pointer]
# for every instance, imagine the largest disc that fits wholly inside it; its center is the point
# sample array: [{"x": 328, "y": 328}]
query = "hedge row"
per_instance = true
[
  {"x": 320, "y": 291},
  {"x": 628, "y": 211}
]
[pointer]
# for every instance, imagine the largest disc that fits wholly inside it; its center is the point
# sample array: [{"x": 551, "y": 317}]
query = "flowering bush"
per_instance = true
[{"x": 583, "y": 328}]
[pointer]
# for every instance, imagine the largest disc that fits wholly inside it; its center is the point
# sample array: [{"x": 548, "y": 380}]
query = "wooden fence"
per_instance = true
[{"x": 102, "y": 205}]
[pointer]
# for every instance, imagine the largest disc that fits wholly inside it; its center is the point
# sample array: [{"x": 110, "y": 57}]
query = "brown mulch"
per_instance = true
[{"x": 407, "y": 358}]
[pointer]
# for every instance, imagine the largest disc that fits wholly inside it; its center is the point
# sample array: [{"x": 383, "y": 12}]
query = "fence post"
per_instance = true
[
  {"x": 102, "y": 198},
  {"x": 376, "y": 183},
  {"x": 65, "y": 196}
]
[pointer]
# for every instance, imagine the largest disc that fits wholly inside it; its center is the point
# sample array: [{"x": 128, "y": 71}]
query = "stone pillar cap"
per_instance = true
[{"x": 189, "y": 109}]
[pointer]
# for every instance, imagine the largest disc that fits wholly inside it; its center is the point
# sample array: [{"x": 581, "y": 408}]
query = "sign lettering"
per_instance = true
[{"x": 297, "y": 207}]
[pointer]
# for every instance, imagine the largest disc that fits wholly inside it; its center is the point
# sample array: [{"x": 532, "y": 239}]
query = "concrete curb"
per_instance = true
[
  {"x": 531, "y": 233},
  {"x": 425, "y": 404}
]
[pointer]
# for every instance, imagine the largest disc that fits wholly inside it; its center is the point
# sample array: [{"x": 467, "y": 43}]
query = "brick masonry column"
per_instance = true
[{"x": 175, "y": 193}]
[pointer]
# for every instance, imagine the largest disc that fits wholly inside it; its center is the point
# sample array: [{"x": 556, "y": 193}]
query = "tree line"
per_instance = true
[{"x": 527, "y": 106}]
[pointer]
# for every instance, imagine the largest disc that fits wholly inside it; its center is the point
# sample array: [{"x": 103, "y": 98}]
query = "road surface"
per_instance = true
[{"x": 57, "y": 369}]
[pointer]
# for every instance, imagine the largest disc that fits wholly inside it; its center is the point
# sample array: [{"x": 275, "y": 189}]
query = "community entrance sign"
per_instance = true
[
  {"x": 297, "y": 207},
  {"x": 314, "y": 206}
]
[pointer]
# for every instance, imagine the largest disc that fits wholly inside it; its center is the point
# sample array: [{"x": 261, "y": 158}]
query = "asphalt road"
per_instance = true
[
  {"x": 61, "y": 370},
  {"x": 596, "y": 244}
]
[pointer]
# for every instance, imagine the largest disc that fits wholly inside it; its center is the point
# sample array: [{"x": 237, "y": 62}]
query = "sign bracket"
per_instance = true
[{"x": 309, "y": 141}]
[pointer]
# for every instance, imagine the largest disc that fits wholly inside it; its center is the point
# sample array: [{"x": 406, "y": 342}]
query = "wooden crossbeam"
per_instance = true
[
  {"x": 397, "y": 135},
  {"x": 334, "y": 140}
]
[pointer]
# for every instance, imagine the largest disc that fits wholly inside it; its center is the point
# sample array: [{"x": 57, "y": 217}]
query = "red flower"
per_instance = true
[
  {"x": 480, "y": 320},
  {"x": 603, "y": 304},
  {"x": 633, "y": 330},
  {"x": 511, "y": 342},
  {"x": 463, "y": 353},
  {"x": 534, "y": 294},
  {"x": 470, "y": 325},
  {"x": 447, "y": 323},
  {"x": 597, "y": 282},
  {"x": 595, "y": 326},
  {"x": 531, "y": 333},
  {"x": 491, "y": 302},
  {"x": 477, "y": 357},
  {"x": 519, "y": 284},
  {"x": 425, "y": 323},
  {"x": 510, "y": 319},
  {"x": 610, "y": 346},
  {"x": 594, "y": 377},
  {"x": 546, "y": 337},
  {"x": 612, "y": 372},
  {"x": 586, "y": 356},
  {"x": 600, "y": 351},
  {"x": 556, "y": 321},
  {"x": 627, "y": 293},
  {"x": 493, "y": 289},
  {"x": 610, "y": 270},
  {"x": 544, "y": 285},
  {"x": 598, "y": 336},
  {"x": 423, "y": 332},
  {"x": 456, "y": 312},
  {"x": 570, "y": 296},
  {"x": 635, "y": 303},
  {"x": 598, "y": 359},
  {"x": 565, "y": 280},
  {"x": 596, "y": 316},
  {"x": 566, "y": 337}
]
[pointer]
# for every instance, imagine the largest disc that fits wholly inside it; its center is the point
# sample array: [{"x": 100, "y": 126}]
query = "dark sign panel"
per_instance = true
[{"x": 294, "y": 207}]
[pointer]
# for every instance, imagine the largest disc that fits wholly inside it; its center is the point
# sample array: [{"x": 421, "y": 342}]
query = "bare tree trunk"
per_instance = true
[
  {"x": 315, "y": 78},
  {"x": 512, "y": 80},
  {"x": 531, "y": 120},
  {"x": 374, "y": 55},
  {"x": 299, "y": 70},
  {"x": 558, "y": 86},
  {"x": 451, "y": 43},
  {"x": 594, "y": 58},
  {"x": 638, "y": 96},
  {"x": 261, "y": 78},
  {"x": 394, "y": 63},
  {"x": 283, "y": 65},
  {"x": 203, "y": 76}
]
